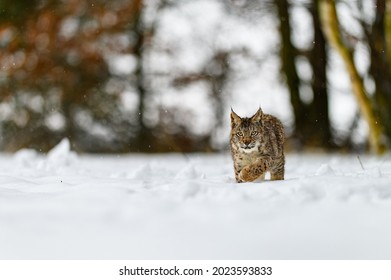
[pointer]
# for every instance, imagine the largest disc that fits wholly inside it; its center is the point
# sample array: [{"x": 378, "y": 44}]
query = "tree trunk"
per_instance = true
[
  {"x": 288, "y": 56},
  {"x": 218, "y": 80},
  {"x": 330, "y": 23},
  {"x": 142, "y": 142},
  {"x": 318, "y": 60},
  {"x": 387, "y": 26},
  {"x": 380, "y": 64}
]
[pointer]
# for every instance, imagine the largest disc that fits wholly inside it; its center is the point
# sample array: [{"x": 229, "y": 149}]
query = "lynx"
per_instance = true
[{"x": 257, "y": 146}]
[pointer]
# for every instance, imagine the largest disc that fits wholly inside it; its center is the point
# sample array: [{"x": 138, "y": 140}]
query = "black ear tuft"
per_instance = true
[
  {"x": 235, "y": 119},
  {"x": 258, "y": 116}
]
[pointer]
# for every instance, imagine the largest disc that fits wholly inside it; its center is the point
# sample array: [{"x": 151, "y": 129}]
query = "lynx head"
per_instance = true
[{"x": 246, "y": 133}]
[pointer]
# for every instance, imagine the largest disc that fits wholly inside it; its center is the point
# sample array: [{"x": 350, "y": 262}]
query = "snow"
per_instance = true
[{"x": 175, "y": 206}]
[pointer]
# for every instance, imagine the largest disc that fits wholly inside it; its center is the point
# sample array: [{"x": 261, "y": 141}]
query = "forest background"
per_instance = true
[{"x": 161, "y": 75}]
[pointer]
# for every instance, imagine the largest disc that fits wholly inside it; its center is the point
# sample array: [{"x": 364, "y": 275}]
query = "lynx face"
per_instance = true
[
  {"x": 246, "y": 133},
  {"x": 248, "y": 137}
]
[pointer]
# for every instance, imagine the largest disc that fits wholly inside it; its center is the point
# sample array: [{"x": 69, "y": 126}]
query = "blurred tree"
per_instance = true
[
  {"x": 216, "y": 73},
  {"x": 58, "y": 79},
  {"x": 331, "y": 27},
  {"x": 387, "y": 23},
  {"x": 85, "y": 70},
  {"x": 312, "y": 123},
  {"x": 288, "y": 57},
  {"x": 376, "y": 36},
  {"x": 143, "y": 32},
  {"x": 143, "y": 139},
  {"x": 160, "y": 137},
  {"x": 16, "y": 10},
  {"x": 319, "y": 119}
]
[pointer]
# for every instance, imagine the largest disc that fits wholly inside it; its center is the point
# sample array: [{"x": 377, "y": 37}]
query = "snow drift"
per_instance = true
[{"x": 65, "y": 206}]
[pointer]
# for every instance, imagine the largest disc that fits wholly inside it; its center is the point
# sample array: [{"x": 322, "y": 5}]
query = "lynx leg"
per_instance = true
[
  {"x": 278, "y": 171},
  {"x": 237, "y": 177},
  {"x": 279, "y": 175}
]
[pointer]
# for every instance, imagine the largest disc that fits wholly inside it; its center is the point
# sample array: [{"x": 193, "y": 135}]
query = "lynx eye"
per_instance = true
[
  {"x": 239, "y": 134},
  {"x": 254, "y": 133}
]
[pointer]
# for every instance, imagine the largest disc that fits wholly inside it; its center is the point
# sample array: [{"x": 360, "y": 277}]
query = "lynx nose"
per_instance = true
[{"x": 247, "y": 142}]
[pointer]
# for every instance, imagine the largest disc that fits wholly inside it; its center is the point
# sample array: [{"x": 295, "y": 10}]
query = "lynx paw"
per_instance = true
[{"x": 250, "y": 173}]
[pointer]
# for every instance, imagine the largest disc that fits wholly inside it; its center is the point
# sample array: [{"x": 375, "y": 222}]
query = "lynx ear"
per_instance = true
[
  {"x": 235, "y": 119},
  {"x": 258, "y": 116}
]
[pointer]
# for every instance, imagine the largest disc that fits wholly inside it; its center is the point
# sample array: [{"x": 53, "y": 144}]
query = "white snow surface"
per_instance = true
[{"x": 68, "y": 206}]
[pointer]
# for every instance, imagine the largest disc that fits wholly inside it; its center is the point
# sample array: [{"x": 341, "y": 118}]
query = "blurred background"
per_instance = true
[{"x": 161, "y": 75}]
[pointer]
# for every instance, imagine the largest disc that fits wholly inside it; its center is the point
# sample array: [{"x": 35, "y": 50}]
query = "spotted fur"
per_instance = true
[{"x": 257, "y": 147}]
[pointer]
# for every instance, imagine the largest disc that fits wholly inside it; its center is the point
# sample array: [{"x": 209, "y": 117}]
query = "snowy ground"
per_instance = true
[{"x": 64, "y": 206}]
